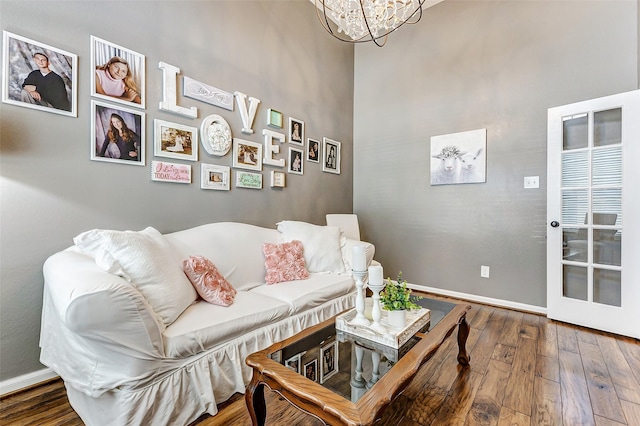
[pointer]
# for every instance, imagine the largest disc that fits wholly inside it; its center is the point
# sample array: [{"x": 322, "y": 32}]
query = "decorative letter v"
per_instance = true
[{"x": 247, "y": 116}]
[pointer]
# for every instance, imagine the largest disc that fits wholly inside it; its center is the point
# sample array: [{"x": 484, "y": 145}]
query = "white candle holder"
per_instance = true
[
  {"x": 360, "y": 319},
  {"x": 375, "y": 311}
]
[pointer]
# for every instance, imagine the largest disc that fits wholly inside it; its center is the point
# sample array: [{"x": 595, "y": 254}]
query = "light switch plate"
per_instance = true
[{"x": 531, "y": 182}]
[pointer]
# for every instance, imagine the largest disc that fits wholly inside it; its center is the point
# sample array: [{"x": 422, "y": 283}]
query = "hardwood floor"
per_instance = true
[{"x": 525, "y": 370}]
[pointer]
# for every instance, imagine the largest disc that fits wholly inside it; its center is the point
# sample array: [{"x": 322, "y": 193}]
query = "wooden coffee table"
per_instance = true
[{"x": 354, "y": 379}]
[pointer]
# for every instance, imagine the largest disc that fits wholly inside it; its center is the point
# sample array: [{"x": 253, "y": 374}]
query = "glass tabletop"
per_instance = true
[{"x": 347, "y": 364}]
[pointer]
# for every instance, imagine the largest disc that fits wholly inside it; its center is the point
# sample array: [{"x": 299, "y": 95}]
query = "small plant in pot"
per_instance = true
[{"x": 396, "y": 298}]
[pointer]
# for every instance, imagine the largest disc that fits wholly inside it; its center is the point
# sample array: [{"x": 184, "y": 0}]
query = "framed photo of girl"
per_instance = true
[
  {"x": 331, "y": 156},
  {"x": 117, "y": 73},
  {"x": 296, "y": 131},
  {"x": 36, "y": 75},
  {"x": 117, "y": 134}
]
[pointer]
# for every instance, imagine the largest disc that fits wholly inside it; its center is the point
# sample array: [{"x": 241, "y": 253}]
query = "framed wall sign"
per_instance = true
[
  {"x": 170, "y": 172},
  {"x": 278, "y": 179},
  {"x": 248, "y": 180}
]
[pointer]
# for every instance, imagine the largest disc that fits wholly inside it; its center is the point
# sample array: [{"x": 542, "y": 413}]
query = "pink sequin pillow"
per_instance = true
[
  {"x": 208, "y": 281},
  {"x": 284, "y": 262}
]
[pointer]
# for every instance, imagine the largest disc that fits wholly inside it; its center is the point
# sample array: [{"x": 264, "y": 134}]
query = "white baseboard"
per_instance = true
[
  {"x": 26, "y": 380},
  {"x": 480, "y": 299}
]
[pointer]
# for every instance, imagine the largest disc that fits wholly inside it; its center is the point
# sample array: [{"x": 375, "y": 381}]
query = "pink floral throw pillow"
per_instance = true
[
  {"x": 208, "y": 281},
  {"x": 284, "y": 262}
]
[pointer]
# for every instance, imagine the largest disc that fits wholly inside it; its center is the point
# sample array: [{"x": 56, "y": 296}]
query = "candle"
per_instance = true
[
  {"x": 375, "y": 275},
  {"x": 359, "y": 258}
]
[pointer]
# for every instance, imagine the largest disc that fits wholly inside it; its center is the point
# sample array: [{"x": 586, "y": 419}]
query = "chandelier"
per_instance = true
[{"x": 358, "y": 21}]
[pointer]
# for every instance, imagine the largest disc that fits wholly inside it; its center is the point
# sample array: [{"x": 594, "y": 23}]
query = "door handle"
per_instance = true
[{"x": 554, "y": 224}]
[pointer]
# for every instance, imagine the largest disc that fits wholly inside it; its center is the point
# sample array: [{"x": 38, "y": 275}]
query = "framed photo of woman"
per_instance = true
[
  {"x": 296, "y": 131},
  {"x": 331, "y": 156},
  {"x": 36, "y": 75},
  {"x": 118, "y": 73},
  {"x": 117, "y": 134}
]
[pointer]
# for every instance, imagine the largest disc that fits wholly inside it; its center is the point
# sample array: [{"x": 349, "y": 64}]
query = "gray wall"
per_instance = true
[
  {"x": 468, "y": 65},
  {"x": 51, "y": 191}
]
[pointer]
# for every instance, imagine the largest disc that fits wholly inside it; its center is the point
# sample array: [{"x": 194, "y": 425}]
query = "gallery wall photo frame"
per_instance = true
[
  {"x": 458, "y": 158},
  {"x": 248, "y": 180},
  {"x": 117, "y": 134},
  {"x": 216, "y": 177},
  {"x": 162, "y": 171},
  {"x": 247, "y": 155},
  {"x": 274, "y": 118},
  {"x": 296, "y": 161},
  {"x": 278, "y": 179},
  {"x": 328, "y": 361},
  {"x": 313, "y": 150},
  {"x": 117, "y": 73},
  {"x": 296, "y": 131},
  {"x": 311, "y": 370},
  {"x": 173, "y": 140},
  {"x": 331, "y": 156},
  {"x": 293, "y": 363},
  {"x": 23, "y": 62}
]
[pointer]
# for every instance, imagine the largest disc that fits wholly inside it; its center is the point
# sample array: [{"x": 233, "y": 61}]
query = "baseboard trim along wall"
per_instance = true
[
  {"x": 26, "y": 380},
  {"x": 480, "y": 299}
]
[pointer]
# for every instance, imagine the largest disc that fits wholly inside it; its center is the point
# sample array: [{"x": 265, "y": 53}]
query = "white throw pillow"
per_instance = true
[
  {"x": 148, "y": 261},
  {"x": 323, "y": 245}
]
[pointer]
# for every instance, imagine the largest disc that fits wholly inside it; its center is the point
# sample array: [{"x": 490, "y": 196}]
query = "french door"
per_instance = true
[{"x": 593, "y": 212}]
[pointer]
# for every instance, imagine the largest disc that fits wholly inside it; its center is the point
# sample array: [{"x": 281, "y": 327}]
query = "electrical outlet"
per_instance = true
[
  {"x": 484, "y": 271},
  {"x": 532, "y": 182}
]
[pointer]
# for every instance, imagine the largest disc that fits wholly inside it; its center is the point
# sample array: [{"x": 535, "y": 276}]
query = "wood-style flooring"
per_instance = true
[{"x": 525, "y": 370}]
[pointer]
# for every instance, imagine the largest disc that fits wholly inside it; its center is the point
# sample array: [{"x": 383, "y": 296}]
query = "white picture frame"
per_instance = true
[
  {"x": 103, "y": 131},
  {"x": 313, "y": 150},
  {"x": 311, "y": 370},
  {"x": 19, "y": 62},
  {"x": 293, "y": 363},
  {"x": 248, "y": 180},
  {"x": 278, "y": 179},
  {"x": 173, "y": 140},
  {"x": 216, "y": 177},
  {"x": 459, "y": 158},
  {"x": 328, "y": 361},
  {"x": 331, "y": 156},
  {"x": 296, "y": 131},
  {"x": 106, "y": 55},
  {"x": 274, "y": 118},
  {"x": 296, "y": 162},
  {"x": 247, "y": 155},
  {"x": 162, "y": 171}
]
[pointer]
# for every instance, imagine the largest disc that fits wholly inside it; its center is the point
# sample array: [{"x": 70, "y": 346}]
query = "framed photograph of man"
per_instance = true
[
  {"x": 36, "y": 75},
  {"x": 296, "y": 131},
  {"x": 175, "y": 140},
  {"x": 313, "y": 150},
  {"x": 296, "y": 165},
  {"x": 331, "y": 156},
  {"x": 117, "y": 134},
  {"x": 118, "y": 73}
]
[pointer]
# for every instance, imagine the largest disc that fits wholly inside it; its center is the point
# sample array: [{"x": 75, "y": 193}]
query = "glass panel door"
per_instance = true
[{"x": 591, "y": 280}]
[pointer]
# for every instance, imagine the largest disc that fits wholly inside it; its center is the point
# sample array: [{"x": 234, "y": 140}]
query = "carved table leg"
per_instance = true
[
  {"x": 463, "y": 333},
  {"x": 254, "y": 398}
]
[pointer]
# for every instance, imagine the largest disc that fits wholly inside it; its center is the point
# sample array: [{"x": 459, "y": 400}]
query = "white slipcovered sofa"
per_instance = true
[{"x": 136, "y": 346}]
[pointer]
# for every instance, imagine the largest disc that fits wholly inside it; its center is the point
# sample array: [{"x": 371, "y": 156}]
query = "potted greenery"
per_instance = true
[{"x": 396, "y": 298}]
